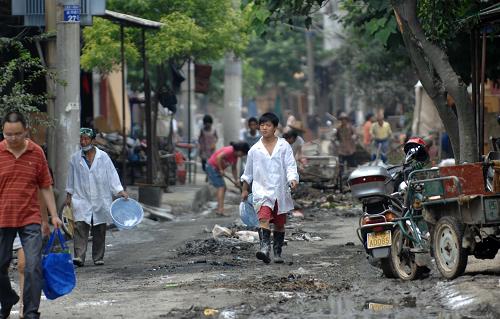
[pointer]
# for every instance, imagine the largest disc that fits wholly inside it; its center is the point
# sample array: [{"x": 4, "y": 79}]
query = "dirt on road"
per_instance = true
[{"x": 178, "y": 270}]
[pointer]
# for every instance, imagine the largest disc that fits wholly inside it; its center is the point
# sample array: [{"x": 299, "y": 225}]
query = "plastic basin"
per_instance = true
[{"x": 126, "y": 213}]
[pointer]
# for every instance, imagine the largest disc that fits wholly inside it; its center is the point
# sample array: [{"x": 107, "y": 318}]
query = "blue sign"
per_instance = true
[{"x": 72, "y": 13}]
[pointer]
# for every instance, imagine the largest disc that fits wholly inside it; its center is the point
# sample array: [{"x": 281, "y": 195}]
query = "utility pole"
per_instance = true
[
  {"x": 232, "y": 98},
  {"x": 50, "y": 60},
  {"x": 188, "y": 105},
  {"x": 310, "y": 73},
  {"x": 67, "y": 105}
]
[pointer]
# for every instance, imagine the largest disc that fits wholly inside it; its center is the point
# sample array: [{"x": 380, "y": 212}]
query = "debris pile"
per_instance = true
[{"x": 221, "y": 246}]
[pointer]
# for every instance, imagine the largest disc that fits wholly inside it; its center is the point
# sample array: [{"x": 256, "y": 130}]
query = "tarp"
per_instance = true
[{"x": 425, "y": 116}]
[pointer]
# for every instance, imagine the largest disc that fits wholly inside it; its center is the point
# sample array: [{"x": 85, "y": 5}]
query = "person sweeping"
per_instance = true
[
  {"x": 272, "y": 171},
  {"x": 218, "y": 162}
]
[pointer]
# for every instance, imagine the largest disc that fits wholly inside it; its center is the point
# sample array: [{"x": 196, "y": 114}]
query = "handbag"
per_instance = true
[{"x": 58, "y": 270}]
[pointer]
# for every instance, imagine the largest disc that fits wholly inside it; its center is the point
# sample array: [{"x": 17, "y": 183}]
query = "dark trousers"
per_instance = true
[
  {"x": 31, "y": 239},
  {"x": 81, "y": 239}
]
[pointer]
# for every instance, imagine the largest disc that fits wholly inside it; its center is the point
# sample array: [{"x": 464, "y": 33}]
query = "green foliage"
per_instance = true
[
  {"x": 200, "y": 29},
  {"x": 19, "y": 72},
  {"x": 382, "y": 77},
  {"x": 442, "y": 20},
  {"x": 253, "y": 78},
  {"x": 270, "y": 12},
  {"x": 280, "y": 54},
  {"x": 102, "y": 47}
]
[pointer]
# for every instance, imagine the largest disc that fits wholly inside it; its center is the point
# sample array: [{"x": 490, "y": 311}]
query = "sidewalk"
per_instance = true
[{"x": 181, "y": 198}]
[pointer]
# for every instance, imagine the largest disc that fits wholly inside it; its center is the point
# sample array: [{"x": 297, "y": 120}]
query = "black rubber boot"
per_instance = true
[
  {"x": 265, "y": 245},
  {"x": 279, "y": 238}
]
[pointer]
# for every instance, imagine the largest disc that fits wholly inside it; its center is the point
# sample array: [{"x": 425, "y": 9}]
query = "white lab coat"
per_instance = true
[
  {"x": 92, "y": 189},
  {"x": 271, "y": 174}
]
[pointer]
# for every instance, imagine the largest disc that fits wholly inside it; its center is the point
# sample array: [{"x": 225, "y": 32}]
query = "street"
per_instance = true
[{"x": 177, "y": 270}]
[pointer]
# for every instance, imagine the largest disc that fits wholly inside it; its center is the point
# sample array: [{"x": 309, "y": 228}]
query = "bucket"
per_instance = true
[{"x": 126, "y": 213}]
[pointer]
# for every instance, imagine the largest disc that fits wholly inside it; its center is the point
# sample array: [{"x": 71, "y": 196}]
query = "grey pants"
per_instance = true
[
  {"x": 81, "y": 238},
  {"x": 31, "y": 239}
]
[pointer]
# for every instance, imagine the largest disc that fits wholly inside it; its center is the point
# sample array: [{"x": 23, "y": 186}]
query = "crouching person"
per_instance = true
[{"x": 272, "y": 171}]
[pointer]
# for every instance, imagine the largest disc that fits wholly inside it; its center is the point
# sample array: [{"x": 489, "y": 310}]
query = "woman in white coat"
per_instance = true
[{"x": 92, "y": 183}]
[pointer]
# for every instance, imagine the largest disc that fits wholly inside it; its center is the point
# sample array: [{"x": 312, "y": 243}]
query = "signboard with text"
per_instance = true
[{"x": 72, "y": 13}]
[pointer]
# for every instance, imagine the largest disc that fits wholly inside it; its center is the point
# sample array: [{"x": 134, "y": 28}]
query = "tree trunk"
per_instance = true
[
  {"x": 439, "y": 79},
  {"x": 158, "y": 169}
]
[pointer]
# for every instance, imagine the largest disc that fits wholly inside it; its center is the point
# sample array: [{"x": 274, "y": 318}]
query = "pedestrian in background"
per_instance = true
[
  {"x": 252, "y": 134},
  {"x": 218, "y": 162},
  {"x": 207, "y": 140},
  {"x": 296, "y": 142},
  {"x": 24, "y": 172},
  {"x": 92, "y": 182},
  {"x": 381, "y": 133},
  {"x": 367, "y": 137},
  {"x": 346, "y": 137},
  {"x": 271, "y": 170}
]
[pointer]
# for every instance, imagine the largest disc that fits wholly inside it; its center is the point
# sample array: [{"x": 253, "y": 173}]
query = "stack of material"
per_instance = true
[{"x": 110, "y": 143}]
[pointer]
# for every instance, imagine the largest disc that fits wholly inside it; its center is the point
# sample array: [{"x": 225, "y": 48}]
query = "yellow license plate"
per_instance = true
[
  {"x": 380, "y": 239},
  {"x": 376, "y": 307}
]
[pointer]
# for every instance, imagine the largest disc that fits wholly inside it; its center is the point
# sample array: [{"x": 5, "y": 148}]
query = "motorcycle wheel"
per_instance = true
[
  {"x": 402, "y": 259},
  {"x": 450, "y": 256}
]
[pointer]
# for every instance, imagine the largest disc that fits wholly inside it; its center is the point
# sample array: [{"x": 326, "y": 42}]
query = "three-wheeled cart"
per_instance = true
[{"x": 462, "y": 211}]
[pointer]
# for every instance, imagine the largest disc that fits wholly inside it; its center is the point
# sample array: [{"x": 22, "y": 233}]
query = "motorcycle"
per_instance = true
[{"x": 382, "y": 192}]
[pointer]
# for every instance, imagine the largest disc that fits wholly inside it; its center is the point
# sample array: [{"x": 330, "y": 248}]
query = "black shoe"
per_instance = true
[
  {"x": 5, "y": 311},
  {"x": 78, "y": 262},
  {"x": 265, "y": 245},
  {"x": 279, "y": 238}
]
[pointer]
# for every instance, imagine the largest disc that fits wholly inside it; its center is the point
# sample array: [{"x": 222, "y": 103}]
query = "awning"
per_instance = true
[{"x": 131, "y": 21}]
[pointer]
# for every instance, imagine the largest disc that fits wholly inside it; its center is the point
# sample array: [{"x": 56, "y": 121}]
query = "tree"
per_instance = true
[
  {"x": 20, "y": 73},
  {"x": 431, "y": 32}
]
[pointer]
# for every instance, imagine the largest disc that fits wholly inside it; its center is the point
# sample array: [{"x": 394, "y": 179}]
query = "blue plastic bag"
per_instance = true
[
  {"x": 248, "y": 214},
  {"x": 58, "y": 270}
]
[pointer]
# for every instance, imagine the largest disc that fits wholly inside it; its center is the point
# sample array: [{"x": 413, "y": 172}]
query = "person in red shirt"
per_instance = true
[
  {"x": 218, "y": 162},
  {"x": 24, "y": 172}
]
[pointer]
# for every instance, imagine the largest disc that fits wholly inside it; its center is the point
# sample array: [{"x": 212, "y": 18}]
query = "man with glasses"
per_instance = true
[
  {"x": 23, "y": 173},
  {"x": 92, "y": 182}
]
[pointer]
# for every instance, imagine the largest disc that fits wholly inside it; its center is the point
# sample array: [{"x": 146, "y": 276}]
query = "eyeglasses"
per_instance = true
[{"x": 13, "y": 135}]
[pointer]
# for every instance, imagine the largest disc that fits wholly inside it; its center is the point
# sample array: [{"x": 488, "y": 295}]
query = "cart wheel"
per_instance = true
[
  {"x": 403, "y": 260},
  {"x": 450, "y": 256}
]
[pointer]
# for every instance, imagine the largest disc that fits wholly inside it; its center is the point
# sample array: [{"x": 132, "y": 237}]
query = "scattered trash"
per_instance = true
[
  {"x": 163, "y": 213},
  {"x": 210, "y": 312},
  {"x": 228, "y": 314},
  {"x": 172, "y": 285},
  {"x": 220, "y": 231},
  {"x": 297, "y": 213},
  {"x": 304, "y": 237},
  {"x": 300, "y": 271},
  {"x": 248, "y": 236}
]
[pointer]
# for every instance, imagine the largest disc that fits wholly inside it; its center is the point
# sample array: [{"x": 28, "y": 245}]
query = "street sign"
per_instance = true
[{"x": 72, "y": 13}]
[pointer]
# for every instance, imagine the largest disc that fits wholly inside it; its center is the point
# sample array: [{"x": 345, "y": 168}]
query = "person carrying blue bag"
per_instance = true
[
  {"x": 24, "y": 172},
  {"x": 58, "y": 270}
]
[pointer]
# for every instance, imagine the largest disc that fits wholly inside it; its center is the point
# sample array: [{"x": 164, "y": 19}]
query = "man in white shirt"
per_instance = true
[
  {"x": 92, "y": 182},
  {"x": 271, "y": 169}
]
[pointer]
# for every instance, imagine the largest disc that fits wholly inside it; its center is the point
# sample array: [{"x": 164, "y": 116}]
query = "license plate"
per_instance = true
[
  {"x": 380, "y": 239},
  {"x": 376, "y": 307}
]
